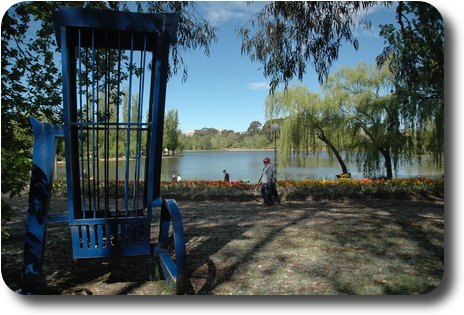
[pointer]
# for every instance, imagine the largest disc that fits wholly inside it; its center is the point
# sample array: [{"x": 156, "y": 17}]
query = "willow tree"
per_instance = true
[
  {"x": 372, "y": 116},
  {"x": 310, "y": 124}
]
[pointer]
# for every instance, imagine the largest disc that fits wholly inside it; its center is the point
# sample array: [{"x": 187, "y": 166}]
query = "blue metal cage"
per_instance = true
[{"x": 114, "y": 67}]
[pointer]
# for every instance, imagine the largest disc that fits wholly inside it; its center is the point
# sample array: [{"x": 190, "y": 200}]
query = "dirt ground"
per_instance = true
[{"x": 362, "y": 246}]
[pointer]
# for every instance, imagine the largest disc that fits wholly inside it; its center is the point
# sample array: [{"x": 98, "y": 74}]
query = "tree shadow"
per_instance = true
[
  {"x": 210, "y": 227},
  {"x": 388, "y": 237},
  {"x": 349, "y": 229},
  {"x": 232, "y": 228}
]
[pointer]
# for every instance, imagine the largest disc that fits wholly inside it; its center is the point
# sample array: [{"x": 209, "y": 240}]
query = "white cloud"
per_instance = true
[
  {"x": 360, "y": 31},
  {"x": 219, "y": 12},
  {"x": 258, "y": 85},
  {"x": 374, "y": 14}
]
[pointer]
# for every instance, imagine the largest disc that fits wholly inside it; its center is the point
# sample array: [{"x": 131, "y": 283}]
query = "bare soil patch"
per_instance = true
[{"x": 371, "y": 246}]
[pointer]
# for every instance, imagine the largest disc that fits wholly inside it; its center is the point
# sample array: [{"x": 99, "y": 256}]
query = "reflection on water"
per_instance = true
[{"x": 247, "y": 166}]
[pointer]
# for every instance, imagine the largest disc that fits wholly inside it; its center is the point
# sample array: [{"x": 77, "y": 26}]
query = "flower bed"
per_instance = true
[{"x": 288, "y": 189}]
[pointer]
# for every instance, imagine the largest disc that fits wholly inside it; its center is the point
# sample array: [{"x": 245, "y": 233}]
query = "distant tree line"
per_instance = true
[{"x": 257, "y": 136}]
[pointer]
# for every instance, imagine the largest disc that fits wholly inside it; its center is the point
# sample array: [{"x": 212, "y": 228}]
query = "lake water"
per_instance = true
[{"x": 247, "y": 166}]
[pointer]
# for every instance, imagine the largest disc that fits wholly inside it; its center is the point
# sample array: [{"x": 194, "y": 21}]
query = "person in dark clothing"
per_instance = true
[{"x": 226, "y": 176}]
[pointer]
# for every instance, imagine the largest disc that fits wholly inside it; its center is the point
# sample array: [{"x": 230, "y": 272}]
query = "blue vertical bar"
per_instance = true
[
  {"x": 107, "y": 120},
  {"x": 69, "y": 101},
  {"x": 140, "y": 126},
  {"x": 129, "y": 105},
  {"x": 39, "y": 201},
  {"x": 158, "y": 96},
  {"x": 93, "y": 120},
  {"x": 118, "y": 103}
]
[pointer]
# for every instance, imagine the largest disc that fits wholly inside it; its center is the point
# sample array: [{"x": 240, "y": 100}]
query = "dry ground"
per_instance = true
[{"x": 370, "y": 246}]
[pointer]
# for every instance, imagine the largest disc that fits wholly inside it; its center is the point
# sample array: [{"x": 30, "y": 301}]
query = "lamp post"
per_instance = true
[{"x": 275, "y": 128}]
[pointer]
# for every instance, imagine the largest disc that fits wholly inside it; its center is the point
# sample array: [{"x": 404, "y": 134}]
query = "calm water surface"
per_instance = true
[{"x": 247, "y": 166}]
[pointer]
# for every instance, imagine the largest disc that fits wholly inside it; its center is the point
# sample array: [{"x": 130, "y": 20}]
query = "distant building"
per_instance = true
[{"x": 190, "y": 133}]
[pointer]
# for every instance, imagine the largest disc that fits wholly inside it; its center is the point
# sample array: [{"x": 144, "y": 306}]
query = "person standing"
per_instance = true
[
  {"x": 226, "y": 176},
  {"x": 267, "y": 180}
]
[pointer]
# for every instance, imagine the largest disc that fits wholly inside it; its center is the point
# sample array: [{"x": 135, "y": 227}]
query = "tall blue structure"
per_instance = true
[{"x": 114, "y": 67}]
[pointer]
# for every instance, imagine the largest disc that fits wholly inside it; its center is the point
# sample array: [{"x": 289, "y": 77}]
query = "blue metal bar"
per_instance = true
[
  {"x": 109, "y": 124},
  {"x": 52, "y": 218},
  {"x": 69, "y": 111},
  {"x": 129, "y": 106},
  {"x": 106, "y": 114},
  {"x": 157, "y": 101},
  {"x": 115, "y": 220},
  {"x": 139, "y": 127},
  {"x": 118, "y": 103},
  {"x": 93, "y": 119},
  {"x": 173, "y": 272},
  {"x": 80, "y": 116},
  {"x": 44, "y": 152},
  {"x": 118, "y": 20}
]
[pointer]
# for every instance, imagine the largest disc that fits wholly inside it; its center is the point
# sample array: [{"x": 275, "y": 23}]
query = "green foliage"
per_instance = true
[
  {"x": 171, "y": 131},
  {"x": 371, "y": 116},
  {"x": 356, "y": 114},
  {"x": 213, "y": 139},
  {"x": 309, "y": 123},
  {"x": 16, "y": 168},
  {"x": 194, "y": 31},
  {"x": 255, "y": 128},
  {"x": 415, "y": 54}
]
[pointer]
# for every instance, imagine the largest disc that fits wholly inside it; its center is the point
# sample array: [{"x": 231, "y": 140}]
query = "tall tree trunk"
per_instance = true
[
  {"x": 322, "y": 137},
  {"x": 388, "y": 162}
]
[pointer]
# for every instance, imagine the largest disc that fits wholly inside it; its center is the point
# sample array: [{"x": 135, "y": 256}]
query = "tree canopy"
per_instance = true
[
  {"x": 357, "y": 116},
  {"x": 171, "y": 131},
  {"x": 370, "y": 110},
  {"x": 286, "y": 36},
  {"x": 415, "y": 54}
]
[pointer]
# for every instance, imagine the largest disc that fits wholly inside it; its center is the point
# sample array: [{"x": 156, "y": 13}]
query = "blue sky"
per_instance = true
[{"x": 228, "y": 91}]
